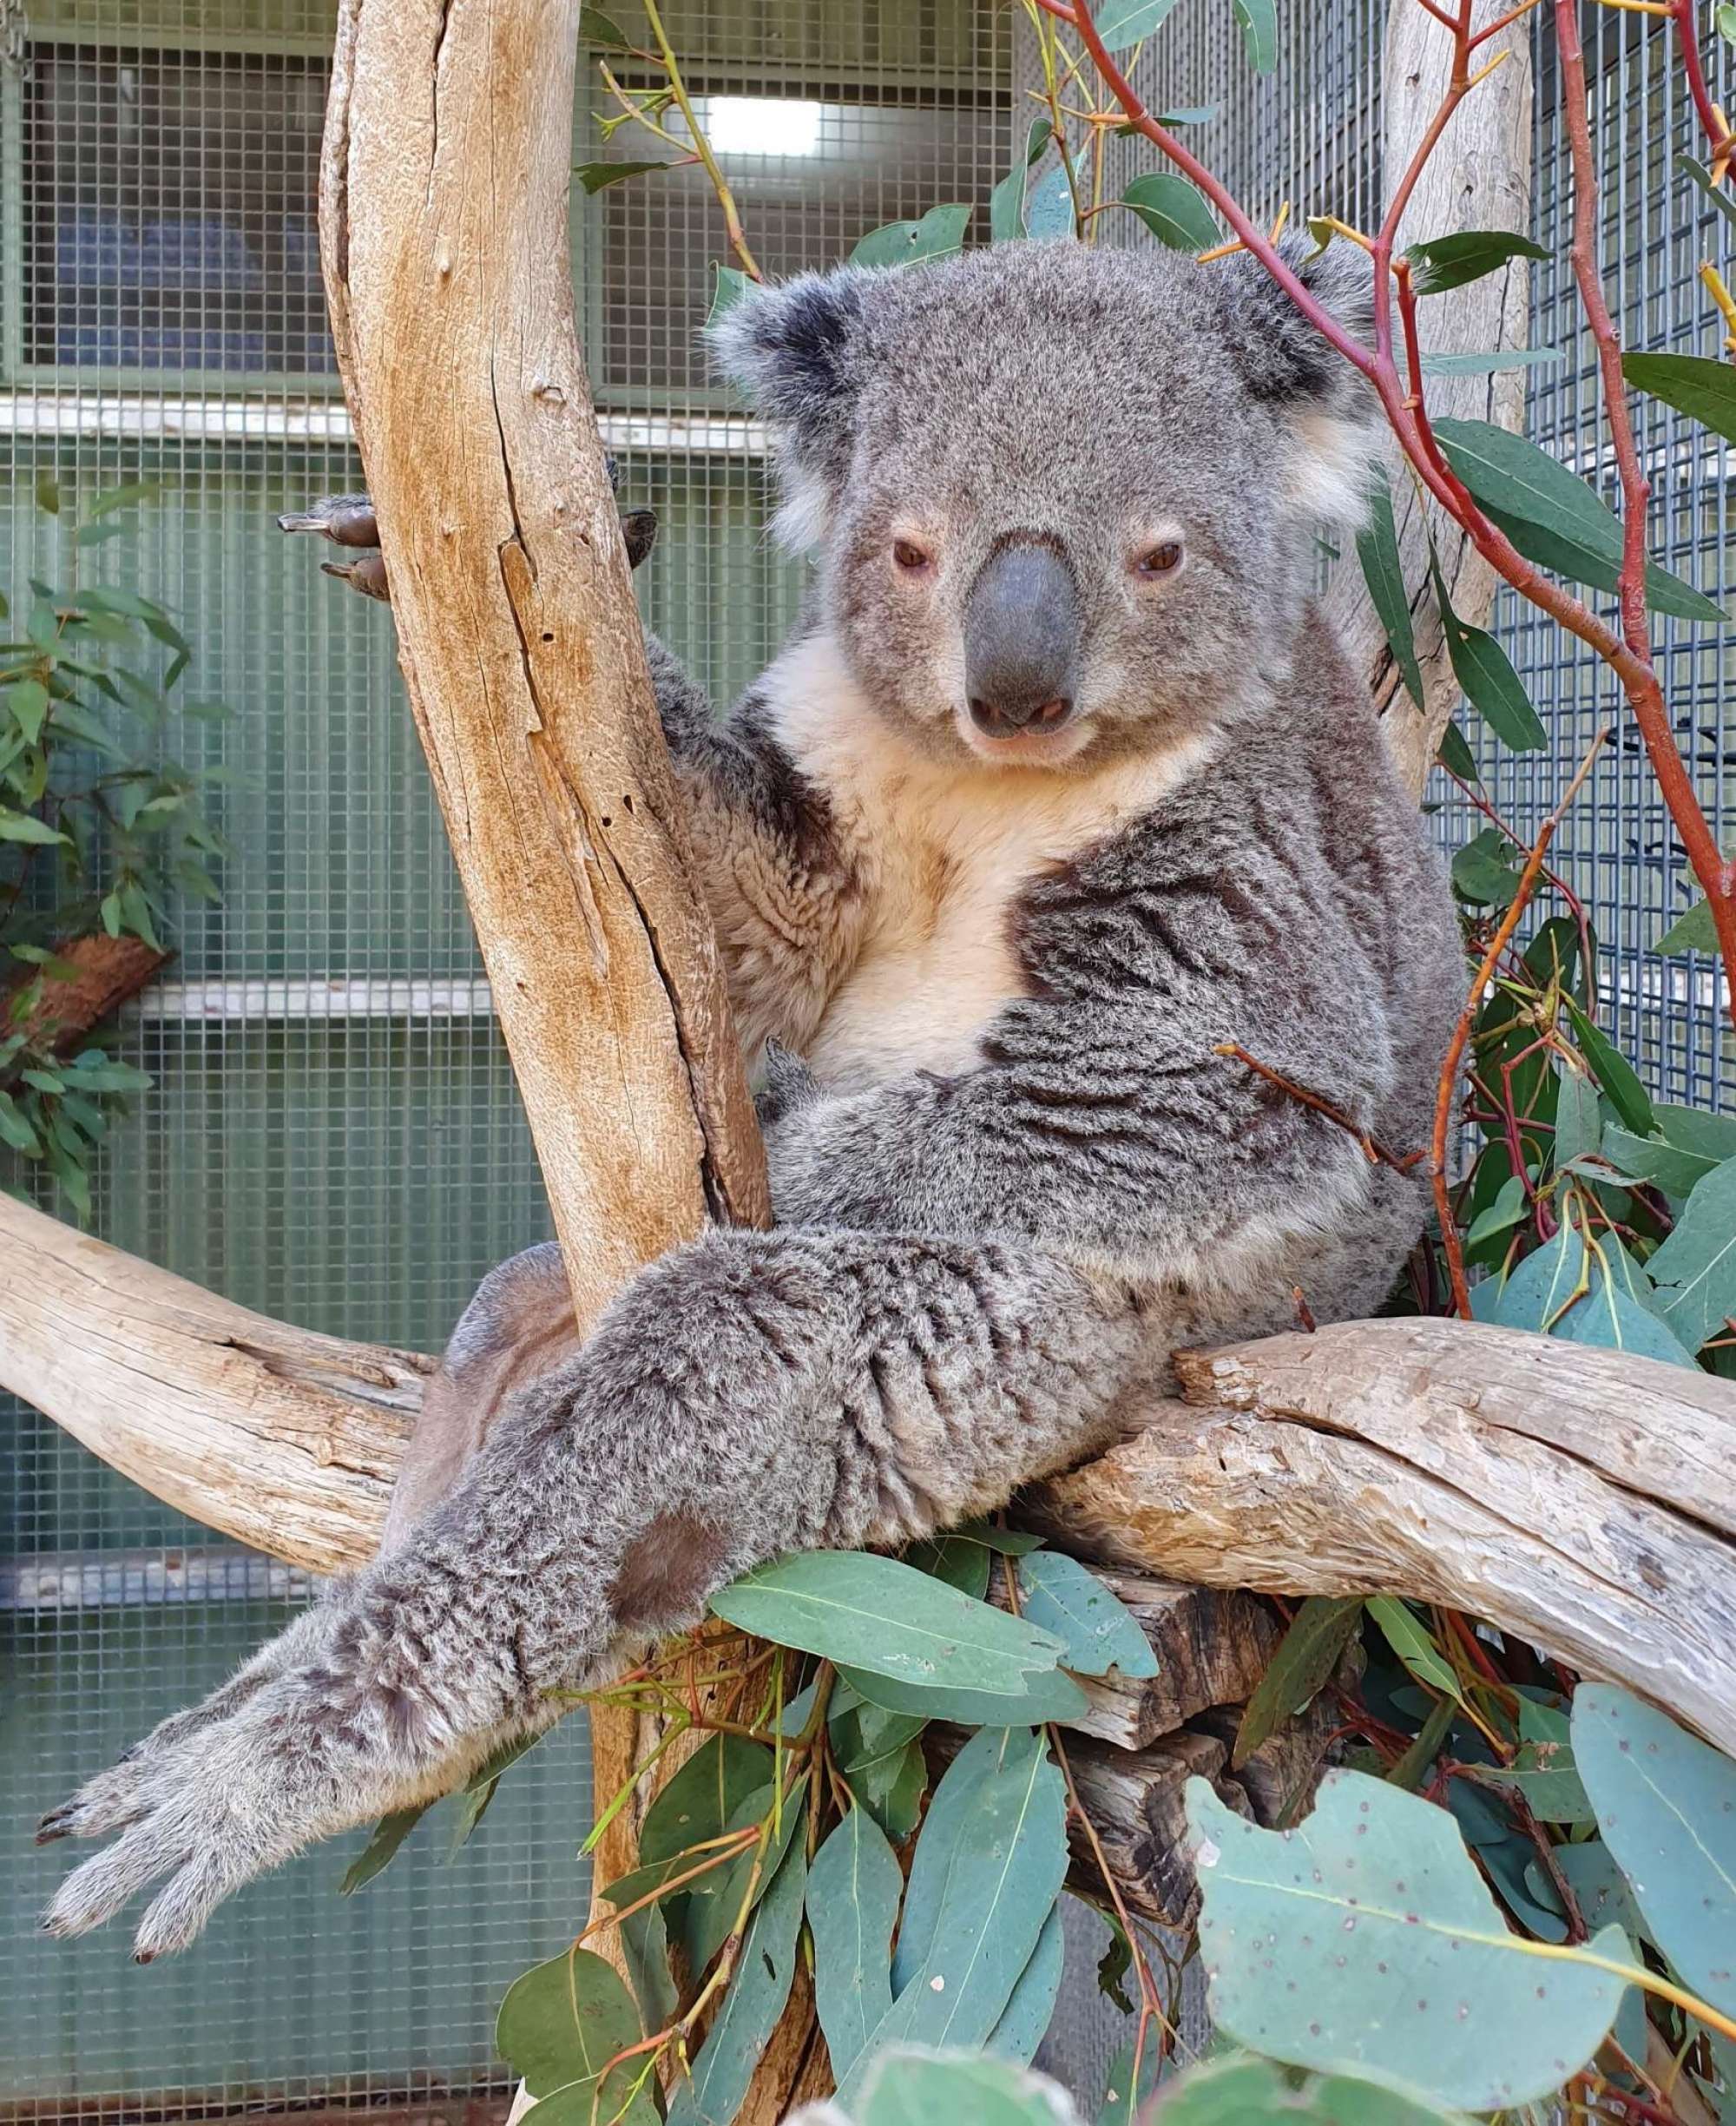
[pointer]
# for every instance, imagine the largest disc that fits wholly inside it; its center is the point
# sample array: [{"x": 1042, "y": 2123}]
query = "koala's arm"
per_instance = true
[{"x": 780, "y": 885}]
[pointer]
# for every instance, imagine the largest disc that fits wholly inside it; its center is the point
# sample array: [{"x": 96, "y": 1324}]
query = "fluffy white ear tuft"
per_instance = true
[
  {"x": 1332, "y": 468},
  {"x": 805, "y": 512}
]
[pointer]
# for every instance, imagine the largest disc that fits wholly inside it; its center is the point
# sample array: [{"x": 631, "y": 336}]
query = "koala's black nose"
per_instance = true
[{"x": 1021, "y": 640}]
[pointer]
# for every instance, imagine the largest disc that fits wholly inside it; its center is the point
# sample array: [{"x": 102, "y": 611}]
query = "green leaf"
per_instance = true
[
  {"x": 700, "y": 1798},
  {"x": 1003, "y": 1861},
  {"x": 1613, "y": 1071},
  {"x": 1491, "y": 685},
  {"x": 1651, "y": 1158},
  {"x": 1491, "y": 364},
  {"x": 1485, "y": 871},
  {"x": 1692, "y": 930},
  {"x": 918, "y": 2088},
  {"x": 1379, "y": 1878},
  {"x": 27, "y": 704},
  {"x": 1096, "y": 1630},
  {"x": 1552, "y": 515},
  {"x": 1026, "y": 2017},
  {"x": 1249, "y": 2092},
  {"x": 48, "y": 493},
  {"x": 15, "y": 1130},
  {"x": 1540, "y": 1290},
  {"x": 1175, "y": 211},
  {"x": 1455, "y": 755},
  {"x": 1500, "y": 1216},
  {"x": 20, "y": 826},
  {"x": 562, "y": 2023},
  {"x": 1051, "y": 1695},
  {"x": 1610, "y": 1317},
  {"x": 390, "y": 1833},
  {"x": 986, "y": 1757},
  {"x": 1695, "y": 1271},
  {"x": 599, "y": 176},
  {"x": 728, "y": 286},
  {"x": 1258, "y": 22},
  {"x": 852, "y": 1904},
  {"x": 882, "y": 1616},
  {"x": 751, "y": 2007},
  {"x": 959, "y": 1560},
  {"x": 1445, "y": 262},
  {"x": 1413, "y": 1645},
  {"x": 1666, "y": 1804},
  {"x": 1710, "y": 1137},
  {"x": 596, "y": 28},
  {"x": 1048, "y": 218},
  {"x": 1702, "y": 176},
  {"x": 1121, "y": 23},
  {"x": 1007, "y": 200},
  {"x": 1308, "y": 1653},
  {"x": 121, "y": 497},
  {"x": 1703, "y": 390},
  {"x": 1579, "y": 1120},
  {"x": 940, "y": 233},
  {"x": 1378, "y": 550},
  {"x": 1542, "y": 1769},
  {"x": 890, "y": 1788},
  {"x": 1725, "y": 17},
  {"x": 1123, "y": 2103},
  {"x": 709, "y": 1906}
]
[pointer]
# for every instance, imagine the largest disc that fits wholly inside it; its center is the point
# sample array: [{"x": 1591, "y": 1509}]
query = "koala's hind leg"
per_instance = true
[
  {"x": 519, "y": 1327},
  {"x": 750, "y": 1394}
]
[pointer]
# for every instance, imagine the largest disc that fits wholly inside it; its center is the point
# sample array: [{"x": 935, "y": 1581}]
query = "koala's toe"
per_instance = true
[
  {"x": 109, "y": 1802},
  {"x": 95, "y": 1891},
  {"x": 175, "y": 1917}
]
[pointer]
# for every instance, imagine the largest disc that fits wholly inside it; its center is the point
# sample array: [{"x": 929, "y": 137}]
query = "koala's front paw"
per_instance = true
[
  {"x": 349, "y": 521},
  {"x": 218, "y": 1796},
  {"x": 785, "y": 1083}
]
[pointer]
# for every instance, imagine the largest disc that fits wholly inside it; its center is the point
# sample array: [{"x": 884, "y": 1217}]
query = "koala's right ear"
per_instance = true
[{"x": 794, "y": 353}]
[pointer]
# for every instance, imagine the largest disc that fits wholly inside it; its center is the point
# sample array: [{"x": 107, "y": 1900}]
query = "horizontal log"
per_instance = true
[
  {"x": 1576, "y": 1497},
  {"x": 287, "y": 1440}
]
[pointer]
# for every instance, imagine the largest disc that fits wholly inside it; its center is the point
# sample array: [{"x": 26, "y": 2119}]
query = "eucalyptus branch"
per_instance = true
[{"x": 719, "y": 184}]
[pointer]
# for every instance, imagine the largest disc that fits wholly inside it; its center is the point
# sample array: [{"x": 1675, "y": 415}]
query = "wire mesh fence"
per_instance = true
[{"x": 334, "y": 1136}]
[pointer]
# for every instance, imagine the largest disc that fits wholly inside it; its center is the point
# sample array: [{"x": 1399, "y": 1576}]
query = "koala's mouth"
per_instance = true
[{"x": 1052, "y": 733}]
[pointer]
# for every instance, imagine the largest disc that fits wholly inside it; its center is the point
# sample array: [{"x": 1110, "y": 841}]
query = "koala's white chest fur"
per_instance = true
[{"x": 942, "y": 852}]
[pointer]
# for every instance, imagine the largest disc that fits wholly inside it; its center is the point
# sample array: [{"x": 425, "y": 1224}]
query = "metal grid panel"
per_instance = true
[{"x": 334, "y": 1136}]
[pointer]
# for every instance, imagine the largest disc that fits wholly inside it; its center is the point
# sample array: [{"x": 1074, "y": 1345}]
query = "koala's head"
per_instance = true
[{"x": 1062, "y": 500}]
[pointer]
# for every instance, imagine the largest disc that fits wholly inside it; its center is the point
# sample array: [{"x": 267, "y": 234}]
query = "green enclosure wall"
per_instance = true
[{"x": 334, "y": 1137}]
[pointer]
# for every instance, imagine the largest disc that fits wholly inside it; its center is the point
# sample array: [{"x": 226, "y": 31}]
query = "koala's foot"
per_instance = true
[
  {"x": 223, "y": 1795},
  {"x": 349, "y": 521}
]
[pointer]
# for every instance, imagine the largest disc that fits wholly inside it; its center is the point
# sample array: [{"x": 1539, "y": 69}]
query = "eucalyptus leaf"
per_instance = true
[
  {"x": 599, "y": 176},
  {"x": 1491, "y": 684},
  {"x": 939, "y": 233},
  {"x": 562, "y": 2023},
  {"x": 1703, "y": 388},
  {"x": 1655, "y": 1159},
  {"x": 1413, "y": 1646},
  {"x": 1124, "y": 2100},
  {"x": 1665, "y": 1805},
  {"x": 1051, "y": 1695},
  {"x": 389, "y": 1834},
  {"x": 1007, "y": 200},
  {"x": 1026, "y": 2017},
  {"x": 1308, "y": 1653},
  {"x": 1702, "y": 177},
  {"x": 1610, "y": 1318},
  {"x": 1579, "y": 1120},
  {"x": 1492, "y": 363},
  {"x": 1613, "y": 1071},
  {"x": 1542, "y": 1769},
  {"x": 1248, "y": 2092},
  {"x": 1378, "y": 550},
  {"x": 1121, "y": 23},
  {"x": 1693, "y": 931},
  {"x": 1509, "y": 1206},
  {"x": 1695, "y": 1271},
  {"x": 1175, "y": 211},
  {"x": 922, "y": 2088},
  {"x": 710, "y": 1905},
  {"x": 956, "y": 1559},
  {"x": 880, "y": 1616},
  {"x": 1049, "y": 217},
  {"x": 1696, "y": 1131},
  {"x": 1543, "y": 1288},
  {"x": 1258, "y": 22},
  {"x": 1379, "y": 1879},
  {"x": 853, "y": 1891},
  {"x": 1443, "y": 262},
  {"x": 1098, "y": 1632},
  {"x": 699, "y": 1802},
  {"x": 1552, "y": 515},
  {"x": 752, "y": 2005},
  {"x": 729, "y": 284}
]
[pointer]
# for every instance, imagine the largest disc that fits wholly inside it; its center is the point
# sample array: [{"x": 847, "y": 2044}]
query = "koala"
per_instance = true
[{"x": 1062, "y": 785}]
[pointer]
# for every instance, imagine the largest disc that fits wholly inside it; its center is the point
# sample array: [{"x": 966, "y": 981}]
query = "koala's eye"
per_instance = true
[
  {"x": 910, "y": 556},
  {"x": 1162, "y": 559}
]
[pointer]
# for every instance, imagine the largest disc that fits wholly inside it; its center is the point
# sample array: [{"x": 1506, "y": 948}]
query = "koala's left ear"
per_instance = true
[
  {"x": 1286, "y": 362},
  {"x": 794, "y": 352}
]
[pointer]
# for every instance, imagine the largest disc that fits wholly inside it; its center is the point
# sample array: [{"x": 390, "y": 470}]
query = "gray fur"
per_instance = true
[{"x": 981, "y": 1268}]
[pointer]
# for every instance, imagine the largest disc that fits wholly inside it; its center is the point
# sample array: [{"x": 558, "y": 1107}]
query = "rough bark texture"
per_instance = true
[
  {"x": 444, "y": 199},
  {"x": 1478, "y": 178},
  {"x": 1578, "y": 1498}
]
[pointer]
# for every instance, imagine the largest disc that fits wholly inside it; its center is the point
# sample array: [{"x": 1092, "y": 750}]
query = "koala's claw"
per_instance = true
[
  {"x": 366, "y": 575},
  {"x": 346, "y": 520}
]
